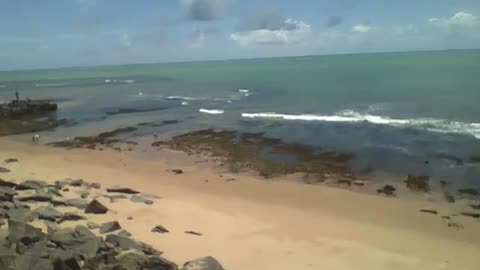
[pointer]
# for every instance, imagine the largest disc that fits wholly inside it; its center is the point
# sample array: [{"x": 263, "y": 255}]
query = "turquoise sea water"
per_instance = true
[{"x": 395, "y": 110}]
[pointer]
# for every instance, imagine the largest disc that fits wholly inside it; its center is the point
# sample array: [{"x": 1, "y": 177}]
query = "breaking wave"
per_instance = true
[
  {"x": 432, "y": 124},
  {"x": 182, "y": 98},
  {"x": 211, "y": 111}
]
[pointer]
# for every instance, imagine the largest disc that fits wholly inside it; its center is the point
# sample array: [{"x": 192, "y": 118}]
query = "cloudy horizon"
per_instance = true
[{"x": 54, "y": 33}]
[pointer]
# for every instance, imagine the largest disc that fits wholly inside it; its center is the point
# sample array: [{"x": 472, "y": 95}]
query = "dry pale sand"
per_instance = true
[{"x": 253, "y": 224}]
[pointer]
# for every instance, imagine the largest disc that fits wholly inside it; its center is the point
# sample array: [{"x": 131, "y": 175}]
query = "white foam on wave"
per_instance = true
[
  {"x": 182, "y": 98},
  {"x": 108, "y": 81},
  {"x": 129, "y": 81},
  {"x": 432, "y": 124},
  {"x": 184, "y": 103},
  {"x": 243, "y": 90},
  {"x": 213, "y": 111}
]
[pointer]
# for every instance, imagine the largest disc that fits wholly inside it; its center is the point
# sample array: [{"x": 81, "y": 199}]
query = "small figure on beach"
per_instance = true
[
  {"x": 17, "y": 95},
  {"x": 155, "y": 135},
  {"x": 36, "y": 138}
]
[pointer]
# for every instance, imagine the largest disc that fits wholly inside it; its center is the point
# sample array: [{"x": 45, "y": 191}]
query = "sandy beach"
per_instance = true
[{"x": 251, "y": 223}]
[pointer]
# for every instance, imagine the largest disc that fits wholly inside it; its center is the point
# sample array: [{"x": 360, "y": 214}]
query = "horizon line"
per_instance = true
[{"x": 223, "y": 60}]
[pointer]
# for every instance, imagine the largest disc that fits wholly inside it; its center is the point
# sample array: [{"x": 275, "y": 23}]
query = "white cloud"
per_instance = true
[
  {"x": 292, "y": 32},
  {"x": 459, "y": 19},
  {"x": 362, "y": 28}
]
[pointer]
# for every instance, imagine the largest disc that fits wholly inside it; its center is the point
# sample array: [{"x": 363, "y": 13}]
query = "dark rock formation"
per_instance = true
[
  {"x": 469, "y": 192},
  {"x": 418, "y": 183},
  {"x": 70, "y": 217},
  {"x": 95, "y": 207},
  {"x": 124, "y": 190},
  {"x": 4, "y": 170},
  {"x": 177, "y": 171},
  {"x": 160, "y": 229},
  {"x": 10, "y": 160},
  {"x": 387, "y": 190},
  {"x": 469, "y": 214},
  {"x": 193, "y": 233},
  {"x": 104, "y": 139},
  {"x": 475, "y": 206},
  {"x": 5, "y": 183},
  {"x": 429, "y": 211}
]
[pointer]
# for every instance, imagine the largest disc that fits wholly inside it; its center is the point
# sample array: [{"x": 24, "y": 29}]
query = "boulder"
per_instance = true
[
  {"x": 78, "y": 203},
  {"x": 39, "y": 196},
  {"x": 110, "y": 227},
  {"x": 117, "y": 197},
  {"x": 177, "y": 171},
  {"x": 31, "y": 184},
  {"x": 95, "y": 207},
  {"x": 4, "y": 170},
  {"x": 418, "y": 183},
  {"x": 70, "y": 217},
  {"x": 27, "y": 262},
  {"x": 7, "y": 194},
  {"x": 19, "y": 231},
  {"x": 118, "y": 189},
  {"x": 387, "y": 190},
  {"x": 5, "y": 183},
  {"x": 126, "y": 243},
  {"x": 124, "y": 233},
  {"x": 140, "y": 199},
  {"x": 206, "y": 263},
  {"x": 48, "y": 213},
  {"x": 77, "y": 182},
  {"x": 21, "y": 214},
  {"x": 95, "y": 185},
  {"x": 159, "y": 263},
  {"x": 92, "y": 225}
]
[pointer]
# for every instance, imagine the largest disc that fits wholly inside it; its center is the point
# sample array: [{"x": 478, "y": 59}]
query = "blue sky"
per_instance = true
[{"x": 57, "y": 33}]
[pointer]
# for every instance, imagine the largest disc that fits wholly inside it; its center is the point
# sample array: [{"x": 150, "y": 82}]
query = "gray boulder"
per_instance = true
[
  {"x": 4, "y": 170},
  {"x": 48, "y": 213},
  {"x": 110, "y": 227},
  {"x": 140, "y": 199},
  {"x": 95, "y": 207},
  {"x": 20, "y": 231},
  {"x": 32, "y": 184},
  {"x": 78, "y": 203},
  {"x": 206, "y": 263}
]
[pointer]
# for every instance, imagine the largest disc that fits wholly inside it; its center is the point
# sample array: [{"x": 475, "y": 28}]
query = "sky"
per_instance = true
[{"x": 60, "y": 33}]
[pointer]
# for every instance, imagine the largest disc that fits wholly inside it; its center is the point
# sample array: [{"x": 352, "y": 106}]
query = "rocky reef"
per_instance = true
[{"x": 270, "y": 157}]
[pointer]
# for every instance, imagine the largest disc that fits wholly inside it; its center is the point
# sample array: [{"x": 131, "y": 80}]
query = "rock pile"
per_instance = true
[{"x": 24, "y": 246}]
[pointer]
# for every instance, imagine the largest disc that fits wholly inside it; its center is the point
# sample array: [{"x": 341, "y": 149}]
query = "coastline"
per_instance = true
[{"x": 250, "y": 223}]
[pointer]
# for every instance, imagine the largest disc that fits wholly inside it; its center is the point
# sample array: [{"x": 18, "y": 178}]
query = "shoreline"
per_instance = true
[{"x": 265, "y": 221}]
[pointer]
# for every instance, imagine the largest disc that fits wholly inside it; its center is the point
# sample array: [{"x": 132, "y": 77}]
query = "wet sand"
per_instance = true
[{"x": 251, "y": 223}]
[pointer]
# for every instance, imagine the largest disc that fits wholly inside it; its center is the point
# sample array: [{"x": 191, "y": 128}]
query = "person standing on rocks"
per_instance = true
[{"x": 17, "y": 95}]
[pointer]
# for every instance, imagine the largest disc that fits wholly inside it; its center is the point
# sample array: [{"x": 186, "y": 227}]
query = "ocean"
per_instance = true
[{"x": 400, "y": 113}]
